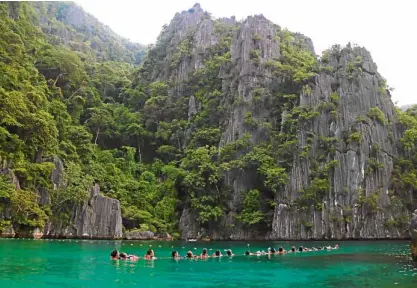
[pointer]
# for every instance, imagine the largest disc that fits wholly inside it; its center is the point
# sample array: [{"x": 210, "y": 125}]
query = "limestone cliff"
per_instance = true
[
  {"x": 413, "y": 232},
  {"x": 337, "y": 113},
  {"x": 227, "y": 130},
  {"x": 99, "y": 217}
]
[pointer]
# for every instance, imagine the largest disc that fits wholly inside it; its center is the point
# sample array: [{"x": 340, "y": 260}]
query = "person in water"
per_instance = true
[
  {"x": 114, "y": 255},
  {"x": 229, "y": 253},
  {"x": 281, "y": 250},
  {"x": 204, "y": 254},
  {"x": 190, "y": 255},
  {"x": 217, "y": 254},
  {"x": 149, "y": 255},
  {"x": 293, "y": 249},
  {"x": 175, "y": 255},
  {"x": 301, "y": 249},
  {"x": 272, "y": 251},
  {"x": 124, "y": 256}
]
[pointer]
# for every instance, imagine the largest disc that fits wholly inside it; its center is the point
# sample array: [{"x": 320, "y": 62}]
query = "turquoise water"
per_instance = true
[{"x": 83, "y": 263}]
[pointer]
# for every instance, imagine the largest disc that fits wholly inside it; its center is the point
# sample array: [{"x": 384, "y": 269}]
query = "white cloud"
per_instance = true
[{"x": 385, "y": 28}]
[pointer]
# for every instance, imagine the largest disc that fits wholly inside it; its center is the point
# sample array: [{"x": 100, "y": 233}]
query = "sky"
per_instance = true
[{"x": 386, "y": 28}]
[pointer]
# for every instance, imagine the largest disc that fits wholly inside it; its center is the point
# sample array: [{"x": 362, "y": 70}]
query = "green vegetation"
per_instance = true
[
  {"x": 250, "y": 121},
  {"x": 354, "y": 137},
  {"x": 405, "y": 169},
  {"x": 255, "y": 56},
  {"x": 400, "y": 222},
  {"x": 373, "y": 165},
  {"x": 370, "y": 201},
  {"x": 82, "y": 100},
  {"x": 298, "y": 64},
  {"x": 251, "y": 213},
  {"x": 377, "y": 115},
  {"x": 354, "y": 68}
]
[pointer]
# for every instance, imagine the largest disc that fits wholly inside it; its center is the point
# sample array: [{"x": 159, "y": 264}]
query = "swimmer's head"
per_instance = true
[
  {"x": 301, "y": 248},
  {"x": 204, "y": 251},
  {"x": 217, "y": 253},
  {"x": 247, "y": 253},
  {"x": 174, "y": 254},
  {"x": 229, "y": 252},
  {"x": 189, "y": 254},
  {"x": 272, "y": 250},
  {"x": 150, "y": 252},
  {"x": 293, "y": 249},
  {"x": 123, "y": 255},
  {"x": 114, "y": 253},
  {"x": 280, "y": 249}
]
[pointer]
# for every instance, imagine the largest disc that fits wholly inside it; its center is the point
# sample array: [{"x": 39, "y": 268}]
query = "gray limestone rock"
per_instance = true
[
  {"x": 342, "y": 214},
  {"x": 139, "y": 235},
  {"x": 413, "y": 232},
  {"x": 99, "y": 217}
]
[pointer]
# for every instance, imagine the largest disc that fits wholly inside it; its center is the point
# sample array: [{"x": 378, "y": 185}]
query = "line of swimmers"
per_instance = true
[{"x": 150, "y": 254}]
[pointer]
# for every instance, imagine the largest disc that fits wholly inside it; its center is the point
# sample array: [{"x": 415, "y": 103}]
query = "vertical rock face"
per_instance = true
[
  {"x": 352, "y": 135},
  {"x": 345, "y": 213},
  {"x": 413, "y": 231},
  {"x": 99, "y": 217},
  {"x": 5, "y": 210}
]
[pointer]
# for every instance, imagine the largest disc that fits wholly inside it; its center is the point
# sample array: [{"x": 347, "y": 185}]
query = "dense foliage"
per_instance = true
[{"x": 71, "y": 91}]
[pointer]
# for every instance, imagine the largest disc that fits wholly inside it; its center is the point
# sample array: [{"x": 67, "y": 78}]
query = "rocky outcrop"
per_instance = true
[
  {"x": 56, "y": 180},
  {"x": 413, "y": 232},
  {"x": 343, "y": 213},
  {"x": 98, "y": 218},
  {"x": 139, "y": 235},
  {"x": 147, "y": 235},
  {"x": 5, "y": 209},
  {"x": 8, "y": 232},
  {"x": 359, "y": 202}
]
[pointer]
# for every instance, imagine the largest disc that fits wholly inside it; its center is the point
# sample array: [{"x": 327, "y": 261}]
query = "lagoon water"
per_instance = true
[{"x": 84, "y": 263}]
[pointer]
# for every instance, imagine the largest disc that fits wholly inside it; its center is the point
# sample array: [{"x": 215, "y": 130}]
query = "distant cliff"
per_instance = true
[{"x": 227, "y": 130}]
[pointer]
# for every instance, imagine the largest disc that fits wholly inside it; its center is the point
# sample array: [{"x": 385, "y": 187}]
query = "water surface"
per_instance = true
[{"x": 84, "y": 263}]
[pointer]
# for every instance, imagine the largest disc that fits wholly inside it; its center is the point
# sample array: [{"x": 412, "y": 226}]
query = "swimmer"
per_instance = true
[
  {"x": 175, "y": 255},
  {"x": 189, "y": 255},
  {"x": 204, "y": 254},
  {"x": 229, "y": 253},
  {"x": 272, "y": 251},
  {"x": 281, "y": 250},
  {"x": 292, "y": 249},
  {"x": 217, "y": 254},
  {"x": 336, "y": 246},
  {"x": 248, "y": 253},
  {"x": 301, "y": 249},
  {"x": 124, "y": 256},
  {"x": 114, "y": 255},
  {"x": 149, "y": 255}
]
